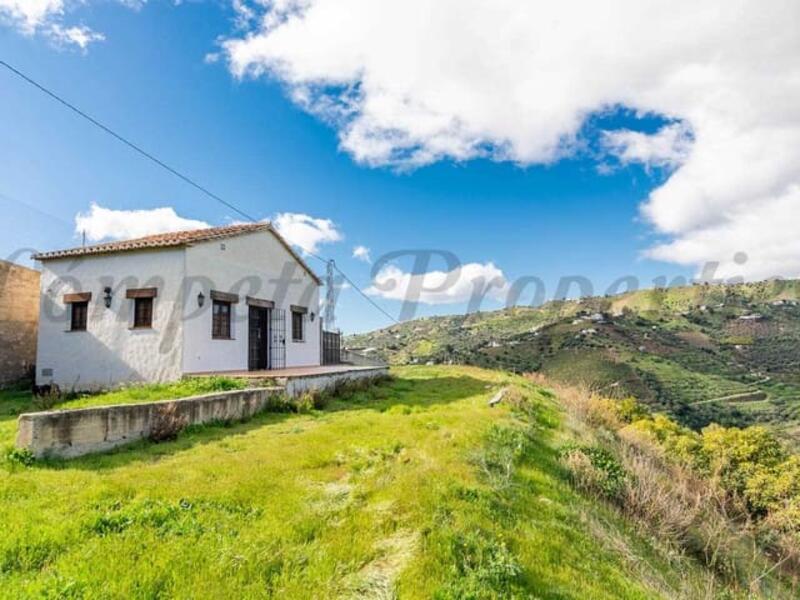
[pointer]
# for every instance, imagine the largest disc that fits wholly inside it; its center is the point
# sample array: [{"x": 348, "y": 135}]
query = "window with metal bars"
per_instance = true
[
  {"x": 297, "y": 327},
  {"x": 80, "y": 312},
  {"x": 142, "y": 313},
  {"x": 221, "y": 320}
]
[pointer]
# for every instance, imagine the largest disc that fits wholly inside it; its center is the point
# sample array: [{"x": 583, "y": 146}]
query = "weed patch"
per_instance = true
[
  {"x": 167, "y": 424},
  {"x": 481, "y": 567},
  {"x": 20, "y": 456},
  {"x": 29, "y": 556}
]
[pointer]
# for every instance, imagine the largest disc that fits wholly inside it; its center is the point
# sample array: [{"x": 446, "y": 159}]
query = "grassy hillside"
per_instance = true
[
  {"x": 415, "y": 488},
  {"x": 703, "y": 353}
]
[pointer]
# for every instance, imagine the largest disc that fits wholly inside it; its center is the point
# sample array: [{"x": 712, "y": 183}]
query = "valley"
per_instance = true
[{"x": 728, "y": 354}]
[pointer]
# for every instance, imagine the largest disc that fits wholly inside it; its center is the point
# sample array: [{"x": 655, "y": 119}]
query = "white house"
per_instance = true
[{"x": 156, "y": 308}]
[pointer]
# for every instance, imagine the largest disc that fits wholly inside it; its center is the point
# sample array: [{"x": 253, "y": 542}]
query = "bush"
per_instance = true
[
  {"x": 280, "y": 403},
  {"x": 737, "y": 455},
  {"x": 679, "y": 443},
  {"x": 729, "y": 497},
  {"x": 629, "y": 410},
  {"x": 20, "y": 456},
  {"x": 167, "y": 424},
  {"x": 306, "y": 402},
  {"x": 595, "y": 470},
  {"x": 46, "y": 397}
]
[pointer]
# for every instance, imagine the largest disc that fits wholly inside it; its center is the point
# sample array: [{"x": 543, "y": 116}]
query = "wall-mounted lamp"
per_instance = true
[
  {"x": 201, "y": 299},
  {"x": 312, "y": 317},
  {"x": 107, "y": 296}
]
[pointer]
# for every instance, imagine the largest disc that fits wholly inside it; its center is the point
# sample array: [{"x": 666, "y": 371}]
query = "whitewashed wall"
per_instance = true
[
  {"x": 248, "y": 265},
  {"x": 109, "y": 352}
]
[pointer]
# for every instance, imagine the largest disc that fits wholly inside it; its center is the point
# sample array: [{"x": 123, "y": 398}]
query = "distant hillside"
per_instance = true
[{"x": 723, "y": 353}]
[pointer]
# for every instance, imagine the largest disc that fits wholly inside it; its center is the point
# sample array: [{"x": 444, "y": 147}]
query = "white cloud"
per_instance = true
[
  {"x": 306, "y": 232},
  {"x": 765, "y": 241},
  {"x": 80, "y": 36},
  {"x": 409, "y": 83},
  {"x": 28, "y": 15},
  {"x": 108, "y": 224},
  {"x": 668, "y": 147},
  {"x": 441, "y": 287},
  {"x": 362, "y": 253},
  {"x": 46, "y": 18}
]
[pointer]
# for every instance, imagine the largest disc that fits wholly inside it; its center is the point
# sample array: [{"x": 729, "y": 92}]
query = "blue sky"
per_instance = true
[{"x": 249, "y": 142}]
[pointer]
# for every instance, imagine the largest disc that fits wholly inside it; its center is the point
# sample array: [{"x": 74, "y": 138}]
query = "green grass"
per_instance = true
[
  {"x": 12, "y": 404},
  {"x": 414, "y": 486},
  {"x": 136, "y": 394},
  {"x": 15, "y": 402}
]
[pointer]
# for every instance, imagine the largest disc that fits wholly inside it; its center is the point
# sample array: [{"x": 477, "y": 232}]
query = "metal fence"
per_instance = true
[{"x": 331, "y": 348}]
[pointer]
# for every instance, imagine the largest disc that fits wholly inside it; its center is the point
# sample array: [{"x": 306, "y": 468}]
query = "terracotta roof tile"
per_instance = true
[{"x": 173, "y": 239}]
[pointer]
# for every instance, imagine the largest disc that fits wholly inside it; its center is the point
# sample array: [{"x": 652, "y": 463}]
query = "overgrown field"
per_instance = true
[{"x": 415, "y": 488}]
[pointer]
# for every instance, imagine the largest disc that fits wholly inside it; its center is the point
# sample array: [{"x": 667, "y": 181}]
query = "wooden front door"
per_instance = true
[{"x": 258, "y": 338}]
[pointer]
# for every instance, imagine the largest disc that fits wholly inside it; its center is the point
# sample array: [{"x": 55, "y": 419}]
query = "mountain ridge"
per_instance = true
[{"x": 703, "y": 353}]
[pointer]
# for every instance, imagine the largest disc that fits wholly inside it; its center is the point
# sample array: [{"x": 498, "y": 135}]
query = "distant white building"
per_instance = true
[
  {"x": 156, "y": 308},
  {"x": 753, "y": 317}
]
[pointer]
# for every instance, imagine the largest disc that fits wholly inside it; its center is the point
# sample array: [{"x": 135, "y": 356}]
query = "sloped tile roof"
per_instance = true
[{"x": 174, "y": 239}]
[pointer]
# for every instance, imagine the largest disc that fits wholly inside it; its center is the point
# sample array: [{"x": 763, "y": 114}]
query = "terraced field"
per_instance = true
[{"x": 724, "y": 353}]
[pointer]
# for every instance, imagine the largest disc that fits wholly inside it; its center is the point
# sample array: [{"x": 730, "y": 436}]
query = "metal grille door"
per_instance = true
[
  {"x": 331, "y": 348},
  {"x": 277, "y": 339},
  {"x": 257, "y": 338}
]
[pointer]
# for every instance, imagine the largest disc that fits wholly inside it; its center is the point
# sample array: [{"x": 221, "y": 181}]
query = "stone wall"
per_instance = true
[
  {"x": 19, "y": 317},
  {"x": 70, "y": 433}
]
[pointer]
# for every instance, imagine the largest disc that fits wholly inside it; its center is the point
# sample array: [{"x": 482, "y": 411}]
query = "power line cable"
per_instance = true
[
  {"x": 173, "y": 171},
  {"x": 125, "y": 141},
  {"x": 355, "y": 287},
  {"x": 364, "y": 294}
]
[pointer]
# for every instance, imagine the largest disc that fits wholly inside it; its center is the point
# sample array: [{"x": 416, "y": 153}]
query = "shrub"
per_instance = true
[
  {"x": 313, "y": 400},
  {"x": 629, "y": 410},
  {"x": 736, "y": 455},
  {"x": 46, "y": 397},
  {"x": 679, "y": 443},
  {"x": 663, "y": 498},
  {"x": 20, "y": 456},
  {"x": 776, "y": 490},
  {"x": 595, "y": 470},
  {"x": 728, "y": 496},
  {"x": 167, "y": 423},
  {"x": 280, "y": 403}
]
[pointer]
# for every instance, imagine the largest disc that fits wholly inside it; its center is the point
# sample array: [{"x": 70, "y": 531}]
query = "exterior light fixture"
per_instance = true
[
  {"x": 201, "y": 299},
  {"x": 312, "y": 317},
  {"x": 107, "y": 297}
]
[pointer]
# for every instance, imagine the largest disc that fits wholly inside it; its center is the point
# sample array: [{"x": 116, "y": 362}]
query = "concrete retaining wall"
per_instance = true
[
  {"x": 297, "y": 385},
  {"x": 70, "y": 433},
  {"x": 362, "y": 360}
]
